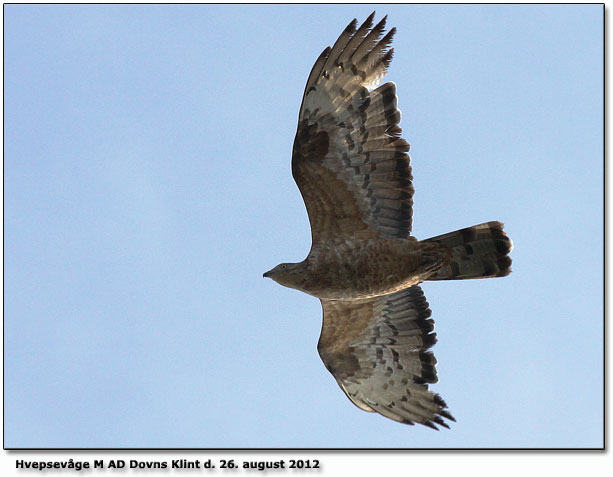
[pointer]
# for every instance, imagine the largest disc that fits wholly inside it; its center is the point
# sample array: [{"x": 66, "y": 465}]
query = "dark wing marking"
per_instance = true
[
  {"x": 378, "y": 352},
  {"x": 349, "y": 160}
]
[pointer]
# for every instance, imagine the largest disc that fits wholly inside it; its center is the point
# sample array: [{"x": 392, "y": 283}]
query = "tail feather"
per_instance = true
[{"x": 480, "y": 251}]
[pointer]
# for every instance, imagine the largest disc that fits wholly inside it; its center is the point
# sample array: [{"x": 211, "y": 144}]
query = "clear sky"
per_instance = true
[{"x": 148, "y": 187}]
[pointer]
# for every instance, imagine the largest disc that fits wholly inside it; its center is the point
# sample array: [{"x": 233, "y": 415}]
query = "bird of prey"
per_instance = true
[{"x": 352, "y": 168}]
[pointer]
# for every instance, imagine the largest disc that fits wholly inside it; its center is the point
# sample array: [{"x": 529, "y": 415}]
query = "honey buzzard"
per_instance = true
[{"x": 351, "y": 165}]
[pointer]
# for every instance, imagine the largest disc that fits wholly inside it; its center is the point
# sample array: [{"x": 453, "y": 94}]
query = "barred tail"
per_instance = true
[{"x": 480, "y": 251}]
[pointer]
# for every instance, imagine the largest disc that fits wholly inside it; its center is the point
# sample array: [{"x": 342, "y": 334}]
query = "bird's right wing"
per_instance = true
[{"x": 377, "y": 350}]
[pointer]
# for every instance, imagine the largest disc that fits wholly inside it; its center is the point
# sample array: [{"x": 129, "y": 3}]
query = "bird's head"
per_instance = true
[{"x": 286, "y": 274}]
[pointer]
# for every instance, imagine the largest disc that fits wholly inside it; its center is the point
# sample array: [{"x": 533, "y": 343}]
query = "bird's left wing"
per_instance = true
[
  {"x": 377, "y": 350},
  {"x": 349, "y": 160}
]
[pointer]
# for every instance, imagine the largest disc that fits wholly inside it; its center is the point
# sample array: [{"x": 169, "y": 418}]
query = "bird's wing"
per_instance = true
[
  {"x": 349, "y": 160},
  {"x": 378, "y": 352}
]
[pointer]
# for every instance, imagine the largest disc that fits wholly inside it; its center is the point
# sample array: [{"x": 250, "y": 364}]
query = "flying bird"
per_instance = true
[{"x": 353, "y": 170}]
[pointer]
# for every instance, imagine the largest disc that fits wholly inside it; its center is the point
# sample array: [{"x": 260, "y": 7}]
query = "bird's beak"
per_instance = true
[{"x": 266, "y": 275}]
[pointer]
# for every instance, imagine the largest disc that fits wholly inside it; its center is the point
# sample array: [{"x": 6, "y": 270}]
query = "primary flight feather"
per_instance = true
[{"x": 353, "y": 170}]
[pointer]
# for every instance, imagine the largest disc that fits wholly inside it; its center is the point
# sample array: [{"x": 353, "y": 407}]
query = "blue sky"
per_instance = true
[{"x": 148, "y": 187}]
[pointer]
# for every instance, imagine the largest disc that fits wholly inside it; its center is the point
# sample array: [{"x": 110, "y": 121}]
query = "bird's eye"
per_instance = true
[{"x": 283, "y": 267}]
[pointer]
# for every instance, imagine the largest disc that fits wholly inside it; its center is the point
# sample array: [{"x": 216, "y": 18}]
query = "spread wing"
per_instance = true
[
  {"x": 349, "y": 160},
  {"x": 378, "y": 352}
]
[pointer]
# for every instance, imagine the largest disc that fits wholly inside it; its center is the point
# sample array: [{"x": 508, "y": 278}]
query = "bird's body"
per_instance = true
[
  {"x": 351, "y": 165},
  {"x": 354, "y": 269}
]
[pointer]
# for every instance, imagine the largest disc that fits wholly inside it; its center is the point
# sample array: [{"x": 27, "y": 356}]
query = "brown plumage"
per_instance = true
[{"x": 352, "y": 168}]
